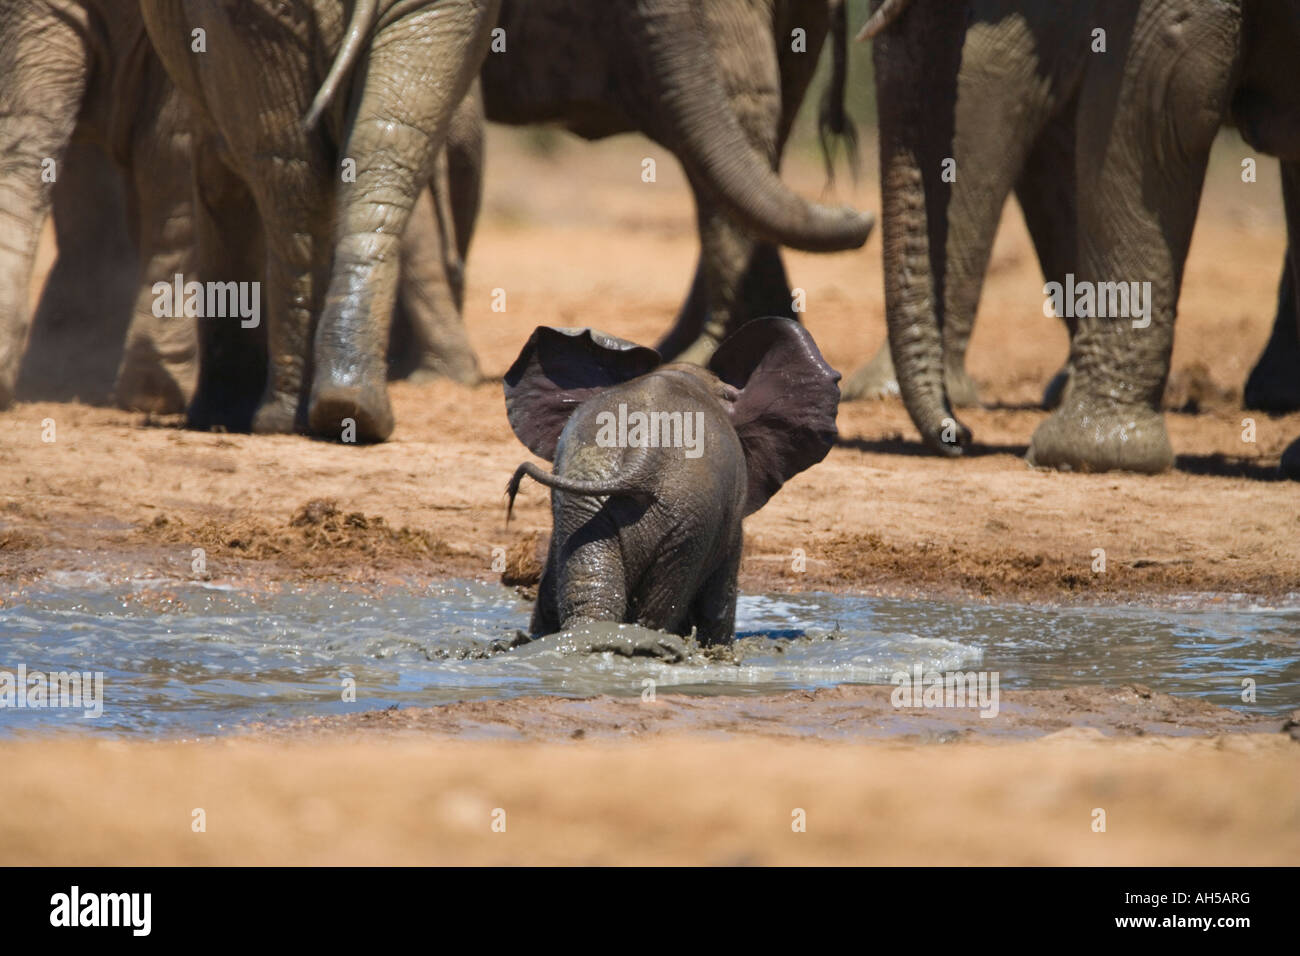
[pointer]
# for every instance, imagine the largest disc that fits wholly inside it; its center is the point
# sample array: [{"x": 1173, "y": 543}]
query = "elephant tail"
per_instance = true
[
  {"x": 832, "y": 118},
  {"x": 628, "y": 485},
  {"x": 886, "y": 13},
  {"x": 363, "y": 18}
]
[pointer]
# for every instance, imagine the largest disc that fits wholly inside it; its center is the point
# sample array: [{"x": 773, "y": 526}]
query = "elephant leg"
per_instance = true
[
  {"x": 232, "y": 360},
  {"x": 991, "y": 142},
  {"x": 81, "y": 320},
  {"x": 736, "y": 279},
  {"x": 545, "y": 618},
  {"x": 466, "y": 149},
  {"x": 291, "y": 191},
  {"x": 739, "y": 277},
  {"x": 1047, "y": 194},
  {"x": 428, "y": 339},
  {"x": 1291, "y": 197},
  {"x": 713, "y": 612},
  {"x": 45, "y": 74},
  {"x": 159, "y": 367},
  {"x": 590, "y": 576},
  {"x": 432, "y": 292},
  {"x": 443, "y": 347},
  {"x": 679, "y": 585},
  {"x": 1274, "y": 383},
  {"x": 694, "y": 312},
  {"x": 875, "y": 379},
  {"x": 1167, "y": 101},
  {"x": 1291, "y": 461},
  {"x": 252, "y": 96},
  {"x": 395, "y": 139}
]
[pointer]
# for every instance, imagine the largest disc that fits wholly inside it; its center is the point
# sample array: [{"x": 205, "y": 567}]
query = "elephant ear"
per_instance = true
[
  {"x": 784, "y": 412},
  {"x": 557, "y": 371}
]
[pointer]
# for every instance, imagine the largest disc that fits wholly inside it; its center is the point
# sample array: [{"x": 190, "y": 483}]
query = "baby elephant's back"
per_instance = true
[
  {"x": 669, "y": 436},
  {"x": 667, "y": 430}
]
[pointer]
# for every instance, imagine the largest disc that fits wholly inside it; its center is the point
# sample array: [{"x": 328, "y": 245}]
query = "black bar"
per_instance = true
[{"x": 347, "y": 906}]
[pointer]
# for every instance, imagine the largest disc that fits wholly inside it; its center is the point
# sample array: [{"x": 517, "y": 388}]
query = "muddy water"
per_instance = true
[{"x": 182, "y": 658}]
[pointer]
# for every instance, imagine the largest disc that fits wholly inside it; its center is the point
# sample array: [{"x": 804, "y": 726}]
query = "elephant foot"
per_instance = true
[
  {"x": 155, "y": 377},
  {"x": 1102, "y": 437},
  {"x": 876, "y": 379},
  {"x": 1054, "y": 393},
  {"x": 277, "y": 415},
  {"x": 350, "y": 413},
  {"x": 962, "y": 392},
  {"x": 463, "y": 370},
  {"x": 423, "y": 375},
  {"x": 153, "y": 390},
  {"x": 1273, "y": 384},
  {"x": 1291, "y": 461},
  {"x": 217, "y": 409}
]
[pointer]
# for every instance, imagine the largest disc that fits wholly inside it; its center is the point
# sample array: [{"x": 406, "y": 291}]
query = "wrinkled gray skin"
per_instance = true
[
  {"x": 1043, "y": 186},
  {"x": 715, "y": 82},
  {"x": 993, "y": 58},
  {"x": 428, "y": 338},
  {"x": 121, "y": 205},
  {"x": 1273, "y": 384},
  {"x": 1137, "y": 173},
  {"x": 327, "y": 248},
  {"x": 652, "y": 536}
]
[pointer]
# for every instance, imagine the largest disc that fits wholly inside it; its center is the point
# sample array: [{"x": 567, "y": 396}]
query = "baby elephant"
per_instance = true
[{"x": 656, "y": 465}]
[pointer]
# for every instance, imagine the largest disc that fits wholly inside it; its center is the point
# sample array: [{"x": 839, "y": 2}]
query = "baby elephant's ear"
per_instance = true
[
  {"x": 557, "y": 371},
  {"x": 788, "y": 397}
]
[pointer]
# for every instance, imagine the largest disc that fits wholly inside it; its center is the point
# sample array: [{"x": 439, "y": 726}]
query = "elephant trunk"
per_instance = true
[
  {"x": 707, "y": 136},
  {"x": 913, "y": 299}
]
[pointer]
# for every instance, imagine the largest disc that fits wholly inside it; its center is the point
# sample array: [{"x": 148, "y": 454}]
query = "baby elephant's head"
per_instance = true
[{"x": 769, "y": 378}]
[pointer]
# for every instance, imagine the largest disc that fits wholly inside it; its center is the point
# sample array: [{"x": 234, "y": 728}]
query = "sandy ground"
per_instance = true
[
  {"x": 412, "y": 788},
  {"x": 576, "y": 239}
]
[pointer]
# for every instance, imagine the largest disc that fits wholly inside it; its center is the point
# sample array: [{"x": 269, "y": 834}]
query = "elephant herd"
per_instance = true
[
  {"x": 317, "y": 167},
  {"x": 1100, "y": 114}
]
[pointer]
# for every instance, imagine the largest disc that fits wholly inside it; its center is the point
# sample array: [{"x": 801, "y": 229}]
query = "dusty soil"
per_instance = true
[
  {"x": 575, "y": 238},
  {"x": 711, "y": 782}
]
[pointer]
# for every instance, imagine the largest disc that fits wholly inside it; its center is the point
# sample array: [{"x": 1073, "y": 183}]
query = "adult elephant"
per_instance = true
[
  {"x": 1142, "y": 89},
  {"x": 312, "y": 195},
  {"x": 718, "y": 83},
  {"x": 117, "y": 181}
]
